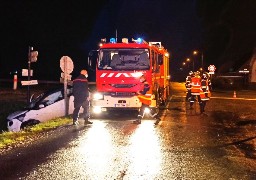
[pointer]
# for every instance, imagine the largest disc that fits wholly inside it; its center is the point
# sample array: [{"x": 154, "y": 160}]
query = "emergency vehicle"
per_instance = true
[{"x": 119, "y": 65}]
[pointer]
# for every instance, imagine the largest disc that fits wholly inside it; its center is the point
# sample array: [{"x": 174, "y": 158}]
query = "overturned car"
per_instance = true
[{"x": 46, "y": 106}]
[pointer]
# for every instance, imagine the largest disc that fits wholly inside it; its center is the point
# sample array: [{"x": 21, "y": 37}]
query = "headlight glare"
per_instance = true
[
  {"x": 147, "y": 110},
  {"x": 98, "y": 96}
]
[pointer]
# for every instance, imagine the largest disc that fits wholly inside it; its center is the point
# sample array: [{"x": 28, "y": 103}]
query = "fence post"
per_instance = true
[{"x": 15, "y": 81}]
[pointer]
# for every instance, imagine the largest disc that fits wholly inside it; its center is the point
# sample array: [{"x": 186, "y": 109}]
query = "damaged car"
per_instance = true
[{"x": 46, "y": 106}]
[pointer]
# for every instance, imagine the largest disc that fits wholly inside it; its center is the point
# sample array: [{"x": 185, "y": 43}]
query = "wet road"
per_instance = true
[{"x": 184, "y": 145}]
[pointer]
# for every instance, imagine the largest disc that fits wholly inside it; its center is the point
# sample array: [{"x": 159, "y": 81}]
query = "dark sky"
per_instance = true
[{"x": 72, "y": 28}]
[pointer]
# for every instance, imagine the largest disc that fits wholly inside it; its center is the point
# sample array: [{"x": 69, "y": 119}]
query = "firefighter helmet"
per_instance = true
[{"x": 205, "y": 75}]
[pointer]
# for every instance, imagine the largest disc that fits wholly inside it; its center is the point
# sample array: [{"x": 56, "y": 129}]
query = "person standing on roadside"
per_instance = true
[
  {"x": 195, "y": 89},
  {"x": 205, "y": 94},
  {"x": 188, "y": 85},
  {"x": 81, "y": 98}
]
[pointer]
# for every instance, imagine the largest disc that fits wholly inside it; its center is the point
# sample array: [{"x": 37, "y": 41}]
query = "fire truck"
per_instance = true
[{"x": 118, "y": 67}]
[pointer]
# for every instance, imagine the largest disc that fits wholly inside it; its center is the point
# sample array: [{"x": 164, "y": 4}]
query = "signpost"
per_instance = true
[
  {"x": 245, "y": 72},
  {"x": 211, "y": 69},
  {"x": 27, "y": 83},
  {"x": 67, "y": 66},
  {"x": 32, "y": 57},
  {"x": 25, "y": 72}
]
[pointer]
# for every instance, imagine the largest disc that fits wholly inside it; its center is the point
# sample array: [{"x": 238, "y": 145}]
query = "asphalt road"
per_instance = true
[{"x": 184, "y": 145}]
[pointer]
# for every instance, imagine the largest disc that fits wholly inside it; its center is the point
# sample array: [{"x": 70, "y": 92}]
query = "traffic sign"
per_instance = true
[
  {"x": 33, "y": 56},
  {"x": 25, "y": 72},
  {"x": 211, "y": 68},
  {"x": 66, "y": 64},
  {"x": 26, "y": 83}
]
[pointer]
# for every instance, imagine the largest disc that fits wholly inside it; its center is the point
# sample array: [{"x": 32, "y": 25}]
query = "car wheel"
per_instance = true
[{"x": 28, "y": 123}]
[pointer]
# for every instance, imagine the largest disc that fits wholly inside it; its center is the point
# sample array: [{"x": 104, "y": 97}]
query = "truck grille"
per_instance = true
[
  {"x": 122, "y": 94},
  {"x": 123, "y": 85}
]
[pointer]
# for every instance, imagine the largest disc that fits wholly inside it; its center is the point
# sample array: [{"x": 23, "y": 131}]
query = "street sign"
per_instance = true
[
  {"x": 26, "y": 83},
  {"x": 245, "y": 71},
  {"x": 33, "y": 56},
  {"x": 25, "y": 72},
  {"x": 66, "y": 64},
  {"x": 211, "y": 68}
]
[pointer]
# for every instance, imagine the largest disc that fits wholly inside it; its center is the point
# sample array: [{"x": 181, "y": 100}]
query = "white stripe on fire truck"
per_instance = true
[
  {"x": 103, "y": 74},
  {"x": 110, "y": 74},
  {"x": 118, "y": 75}
]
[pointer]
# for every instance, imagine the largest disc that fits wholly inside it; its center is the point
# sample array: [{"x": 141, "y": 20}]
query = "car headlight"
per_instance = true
[{"x": 98, "y": 96}]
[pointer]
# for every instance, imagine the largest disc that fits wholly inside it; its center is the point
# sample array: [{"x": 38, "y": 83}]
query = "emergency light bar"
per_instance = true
[
  {"x": 124, "y": 40},
  {"x": 112, "y": 40},
  {"x": 139, "y": 40}
]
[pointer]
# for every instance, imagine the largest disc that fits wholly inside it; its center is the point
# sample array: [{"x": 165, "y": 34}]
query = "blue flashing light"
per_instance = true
[
  {"x": 139, "y": 40},
  {"x": 112, "y": 40}
]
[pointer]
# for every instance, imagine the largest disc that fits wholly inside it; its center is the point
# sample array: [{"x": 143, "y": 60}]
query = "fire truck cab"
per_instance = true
[{"x": 118, "y": 66}]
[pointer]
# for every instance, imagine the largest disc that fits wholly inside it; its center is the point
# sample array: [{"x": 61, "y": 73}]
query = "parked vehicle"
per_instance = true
[{"x": 46, "y": 106}]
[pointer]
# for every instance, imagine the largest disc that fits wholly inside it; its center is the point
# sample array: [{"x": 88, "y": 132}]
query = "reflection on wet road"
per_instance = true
[
  {"x": 184, "y": 145},
  {"x": 180, "y": 147}
]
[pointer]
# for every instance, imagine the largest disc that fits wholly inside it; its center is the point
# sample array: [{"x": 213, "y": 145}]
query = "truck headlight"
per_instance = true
[
  {"x": 146, "y": 110},
  {"x": 98, "y": 96},
  {"x": 96, "y": 109}
]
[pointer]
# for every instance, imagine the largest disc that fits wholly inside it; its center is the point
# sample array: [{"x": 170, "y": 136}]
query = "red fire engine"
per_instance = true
[{"x": 118, "y": 68}]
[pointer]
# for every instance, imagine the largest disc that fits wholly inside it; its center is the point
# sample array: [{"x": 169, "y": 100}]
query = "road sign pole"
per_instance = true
[
  {"x": 65, "y": 86},
  {"x": 29, "y": 62},
  {"x": 67, "y": 66}
]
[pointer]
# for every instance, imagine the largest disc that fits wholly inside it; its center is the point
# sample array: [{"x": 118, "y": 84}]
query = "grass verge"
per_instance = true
[{"x": 11, "y": 138}]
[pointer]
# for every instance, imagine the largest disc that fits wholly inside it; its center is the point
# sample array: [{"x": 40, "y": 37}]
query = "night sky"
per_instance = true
[
  {"x": 72, "y": 28},
  {"x": 57, "y": 28}
]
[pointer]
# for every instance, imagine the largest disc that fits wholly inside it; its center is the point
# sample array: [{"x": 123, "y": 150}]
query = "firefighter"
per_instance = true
[
  {"x": 145, "y": 102},
  {"x": 81, "y": 98},
  {"x": 195, "y": 89},
  {"x": 188, "y": 85},
  {"x": 205, "y": 91}
]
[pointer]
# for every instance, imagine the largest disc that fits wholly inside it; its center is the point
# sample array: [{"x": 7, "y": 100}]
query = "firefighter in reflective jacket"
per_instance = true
[
  {"x": 205, "y": 91},
  {"x": 188, "y": 85},
  {"x": 145, "y": 100},
  {"x": 195, "y": 89}
]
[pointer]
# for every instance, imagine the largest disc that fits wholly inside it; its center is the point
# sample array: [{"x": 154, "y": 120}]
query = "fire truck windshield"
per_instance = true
[{"x": 124, "y": 59}]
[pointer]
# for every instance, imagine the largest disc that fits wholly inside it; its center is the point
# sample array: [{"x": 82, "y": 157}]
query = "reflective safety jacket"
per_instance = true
[
  {"x": 195, "y": 85},
  {"x": 188, "y": 82},
  {"x": 143, "y": 97},
  {"x": 205, "y": 89}
]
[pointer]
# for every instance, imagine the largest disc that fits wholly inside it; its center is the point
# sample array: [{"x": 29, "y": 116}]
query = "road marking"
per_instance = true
[{"x": 218, "y": 97}]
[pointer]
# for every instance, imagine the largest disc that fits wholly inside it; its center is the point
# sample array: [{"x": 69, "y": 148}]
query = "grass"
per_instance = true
[
  {"x": 13, "y": 100},
  {"x": 10, "y": 138}
]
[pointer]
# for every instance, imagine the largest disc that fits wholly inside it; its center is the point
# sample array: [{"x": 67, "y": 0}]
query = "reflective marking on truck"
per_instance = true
[{"x": 136, "y": 74}]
